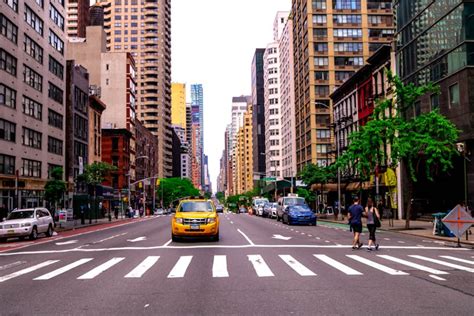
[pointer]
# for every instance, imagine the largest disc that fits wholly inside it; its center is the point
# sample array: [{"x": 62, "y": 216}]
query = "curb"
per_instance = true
[{"x": 405, "y": 232}]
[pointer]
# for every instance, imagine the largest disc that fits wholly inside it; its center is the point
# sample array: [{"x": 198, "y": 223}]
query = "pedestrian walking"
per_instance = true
[
  {"x": 355, "y": 221},
  {"x": 373, "y": 221}
]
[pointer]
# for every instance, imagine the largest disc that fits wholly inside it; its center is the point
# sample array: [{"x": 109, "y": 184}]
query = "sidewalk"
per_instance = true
[{"x": 417, "y": 228}]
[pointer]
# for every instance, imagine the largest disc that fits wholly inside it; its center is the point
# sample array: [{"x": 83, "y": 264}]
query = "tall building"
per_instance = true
[
  {"x": 243, "y": 155},
  {"x": 178, "y": 104},
  {"x": 144, "y": 30},
  {"x": 197, "y": 102},
  {"x": 331, "y": 40},
  {"x": 239, "y": 107},
  {"x": 32, "y": 100},
  {"x": 96, "y": 15},
  {"x": 228, "y": 161},
  {"x": 434, "y": 43},
  {"x": 258, "y": 112},
  {"x": 287, "y": 101},
  {"x": 96, "y": 107},
  {"x": 77, "y": 17}
]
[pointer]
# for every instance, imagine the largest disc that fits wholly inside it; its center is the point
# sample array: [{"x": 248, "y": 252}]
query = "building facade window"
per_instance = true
[
  {"x": 346, "y": 4},
  {"x": 321, "y": 75},
  {"x": 55, "y": 93},
  {"x": 347, "y": 18},
  {"x": 31, "y": 168},
  {"x": 343, "y": 75},
  {"x": 7, "y": 62},
  {"x": 33, "y": 49},
  {"x": 321, "y": 90},
  {"x": 55, "y": 146},
  {"x": 454, "y": 95},
  {"x": 8, "y": 29},
  {"x": 31, "y": 138},
  {"x": 7, "y": 164},
  {"x": 348, "y": 47},
  {"x": 320, "y": 18},
  {"x": 320, "y": 32},
  {"x": 348, "y": 33},
  {"x": 349, "y": 61},
  {"x": 434, "y": 101},
  {"x": 7, "y": 96},
  {"x": 56, "y": 17},
  {"x": 56, "y": 42},
  {"x": 33, "y": 20},
  {"x": 321, "y": 61},
  {"x": 80, "y": 100},
  {"x": 7, "y": 130},
  {"x": 32, "y": 108},
  {"x": 13, "y": 4},
  {"x": 32, "y": 78},
  {"x": 319, "y": 4},
  {"x": 323, "y": 133},
  {"x": 55, "y": 119},
  {"x": 321, "y": 47},
  {"x": 56, "y": 68}
]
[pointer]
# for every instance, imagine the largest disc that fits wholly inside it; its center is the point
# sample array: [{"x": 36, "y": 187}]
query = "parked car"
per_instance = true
[
  {"x": 159, "y": 211},
  {"x": 27, "y": 222},
  {"x": 287, "y": 201},
  {"x": 243, "y": 209},
  {"x": 270, "y": 210},
  {"x": 299, "y": 214},
  {"x": 220, "y": 209},
  {"x": 257, "y": 205}
]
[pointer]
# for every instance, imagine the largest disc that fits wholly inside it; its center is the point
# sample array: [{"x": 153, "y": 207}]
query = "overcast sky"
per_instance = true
[{"x": 213, "y": 42}]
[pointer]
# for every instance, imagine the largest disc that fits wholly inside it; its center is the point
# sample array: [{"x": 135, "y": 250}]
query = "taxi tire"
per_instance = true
[
  {"x": 174, "y": 238},
  {"x": 215, "y": 237},
  {"x": 49, "y": 232},
  {"x": 34, "y": 233}
]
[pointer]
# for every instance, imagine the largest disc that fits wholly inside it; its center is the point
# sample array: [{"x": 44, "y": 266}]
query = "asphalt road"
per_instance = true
[{"x": 259, "y": 267}]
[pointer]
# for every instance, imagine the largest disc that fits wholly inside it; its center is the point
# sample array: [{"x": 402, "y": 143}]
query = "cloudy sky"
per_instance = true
[{"x": 213, "y": 42}]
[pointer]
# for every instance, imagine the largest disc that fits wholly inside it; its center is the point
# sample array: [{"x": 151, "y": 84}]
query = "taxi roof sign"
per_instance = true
[{"x": 458, "y": 220}]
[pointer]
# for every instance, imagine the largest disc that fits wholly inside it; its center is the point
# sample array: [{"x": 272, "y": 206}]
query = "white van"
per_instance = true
[{"x": 257, "y": 205}]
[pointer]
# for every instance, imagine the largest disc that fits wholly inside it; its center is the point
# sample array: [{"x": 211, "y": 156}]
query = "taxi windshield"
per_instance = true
[
  {"x": 196, "y": 207},
  {"x": 20, "y": 215}
]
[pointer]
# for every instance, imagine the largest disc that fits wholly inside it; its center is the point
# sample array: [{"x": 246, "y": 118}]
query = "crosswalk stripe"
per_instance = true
[
  {"x": 179, "y": 269},
  {"x": 297, "y": 266},
  {"x": 219, "y": 268},
  {"x": 143, "y": 267},
  {"x": 413, "y": 265},
  {"x": 458, "y": 259},
  {"x": 337, "y": 265},
  {"x": 27, "y": 270},
  {"x": 261, "y": 268},
  {"x": 62, "y": 270},
  {"x": 98, "y": 270},
  {"x": 376, "y": 265},
  {"x": 444, "y": 263}
]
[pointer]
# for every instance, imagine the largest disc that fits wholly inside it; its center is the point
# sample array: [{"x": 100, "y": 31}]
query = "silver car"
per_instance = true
[{"x": 27, "y": 222}]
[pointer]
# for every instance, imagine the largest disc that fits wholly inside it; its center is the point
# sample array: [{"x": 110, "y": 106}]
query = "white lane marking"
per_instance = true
[
  {"x": 401, "y": 242},
  {"x": 167, "y": 243},
  {"x": 137, "y": 239},
  {"x": 376, "y": 265},
  {"x": 437, "y": 277},
  {"x": 143, "y": 267},
  {"x": 297, "y": 266},
  {"x": 11, "y": 265},
  {"x": 458, "y": 259},
  {"x": 62, "y": 270},
  {"x": 262, "y": 246},
  {"x": 232, "y": 222},
  {"x": 281, "y": 237},
  {"x": 179, "y": 269},
  {"x": 27, "y": 270},
  {"x": 419, "y": 245},
  {"x": 98, "y": 270},
  {"x": 386, "y": 238},
  {"x": 444, "y": 263},
  {"x": 337, "y": 265},
  {"x": 109, "y": 238},
  {"x": 69, "y": 242},
  {"x": 310, "y": 235},
  {"x": 303, "y": 234},
  {"x": 424, "y": 240},
  {"x": 413, "y": 265},
  {"x": 292, "y": 229},
  {"x": 261, "y": 268},
  {"x": 246, "y": 237},
  {"x": 219, "y": 267}
]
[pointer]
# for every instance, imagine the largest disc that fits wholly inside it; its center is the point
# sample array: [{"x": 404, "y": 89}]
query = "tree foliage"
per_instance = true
[
  {"x": 172, "y": 189},
  {"x": 314, "y": 174},
  {"x": 55, "y": 188},
  {"x": 95, "y": 173},
  {"x": 220, "y": 197}
]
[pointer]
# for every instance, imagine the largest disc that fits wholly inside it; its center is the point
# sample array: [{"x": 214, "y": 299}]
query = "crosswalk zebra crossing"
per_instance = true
[{"x": 260, "y": 266}]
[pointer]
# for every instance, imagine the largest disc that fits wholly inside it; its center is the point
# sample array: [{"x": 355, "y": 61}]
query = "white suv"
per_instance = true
[{"x": 27, "y": 222}]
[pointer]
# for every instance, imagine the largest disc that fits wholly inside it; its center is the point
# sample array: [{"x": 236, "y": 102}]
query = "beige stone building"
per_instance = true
[
  {"x": 332, "y": 40},
  {"x": 243, "y": 155},
  {"x": 178, "y": 104},
  {"x": 32, "y": 100},
  {"x": 144, "y": 29}
]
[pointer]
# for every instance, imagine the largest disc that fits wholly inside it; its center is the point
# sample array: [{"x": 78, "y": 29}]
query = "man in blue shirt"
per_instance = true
[{"x": 355, "y": 220}]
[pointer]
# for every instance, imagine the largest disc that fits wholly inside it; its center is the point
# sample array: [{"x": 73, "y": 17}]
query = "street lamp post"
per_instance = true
[{"x": 129, "y": 176}]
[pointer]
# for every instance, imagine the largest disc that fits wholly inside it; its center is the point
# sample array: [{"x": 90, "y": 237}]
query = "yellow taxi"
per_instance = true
[{"x": 195, "y": 218}]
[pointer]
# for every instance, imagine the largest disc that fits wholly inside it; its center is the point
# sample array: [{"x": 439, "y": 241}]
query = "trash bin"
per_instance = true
[{"x": 438, "y": 228}]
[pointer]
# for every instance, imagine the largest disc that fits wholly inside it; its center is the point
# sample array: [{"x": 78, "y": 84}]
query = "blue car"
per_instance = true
[{"x": 299, "y": 215}]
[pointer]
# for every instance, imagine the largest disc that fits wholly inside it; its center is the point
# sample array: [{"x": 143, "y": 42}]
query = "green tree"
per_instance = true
[
  {"x": 308, "y": 195},
  {"x": 172, "y": 189},
  {"x": 220, "y": 197},
  {"x": 392, "y": 136},
  {"x": 94, "y": 174},
  {"x": 55, "y": 188},
  {"x": 207, "y": 195},
  {"x": 314, "y": 174}
]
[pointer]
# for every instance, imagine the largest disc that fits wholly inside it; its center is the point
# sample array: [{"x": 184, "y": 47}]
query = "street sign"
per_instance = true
[
  {"x": 269, "y": 179},
  {"x": 458, "y": 221}
]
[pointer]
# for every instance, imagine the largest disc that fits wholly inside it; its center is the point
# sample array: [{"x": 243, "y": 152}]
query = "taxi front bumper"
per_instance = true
[{"x": 197, "y": 230}]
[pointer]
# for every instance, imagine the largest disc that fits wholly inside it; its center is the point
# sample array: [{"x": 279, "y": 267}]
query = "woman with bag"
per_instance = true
[{"x": 373, "y": 221}]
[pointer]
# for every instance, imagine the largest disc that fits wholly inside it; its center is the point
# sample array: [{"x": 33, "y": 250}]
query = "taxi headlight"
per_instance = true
[
  {"x": 179, "y": 220},
  {"x": 26, "y": 225},
  {"x": 211, "y": 220}
]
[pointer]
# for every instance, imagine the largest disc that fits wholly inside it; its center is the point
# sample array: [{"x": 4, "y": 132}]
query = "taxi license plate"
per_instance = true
[
  {"x": 195, "y": 227},
  {"x": 11, "y": 231}
]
